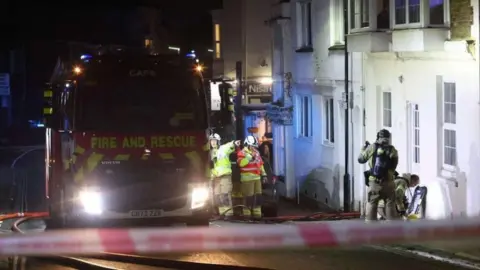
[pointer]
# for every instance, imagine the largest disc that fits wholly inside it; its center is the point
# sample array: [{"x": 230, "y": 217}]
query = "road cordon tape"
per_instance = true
[{"x": 248, "y": 237}]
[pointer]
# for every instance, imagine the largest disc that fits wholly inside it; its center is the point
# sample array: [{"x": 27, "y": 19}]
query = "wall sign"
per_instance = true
[{"x": 257, "y": 89}]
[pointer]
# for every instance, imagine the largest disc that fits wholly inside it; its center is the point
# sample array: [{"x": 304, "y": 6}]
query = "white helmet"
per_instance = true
[
  {"x": 251, "y": 141},
  {"x": 214, "y": 136}
]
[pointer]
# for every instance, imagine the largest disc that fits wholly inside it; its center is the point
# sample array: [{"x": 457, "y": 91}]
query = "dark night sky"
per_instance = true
[
  {"x": 104, "y": 23},
  {"x": 188, "y": 24}
]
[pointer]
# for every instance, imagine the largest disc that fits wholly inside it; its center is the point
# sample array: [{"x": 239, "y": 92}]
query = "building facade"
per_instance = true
[
  {"x": 413, "y": 70},
  {"x": 308, "y": 43},
  {"x": 240, "y": 33}
]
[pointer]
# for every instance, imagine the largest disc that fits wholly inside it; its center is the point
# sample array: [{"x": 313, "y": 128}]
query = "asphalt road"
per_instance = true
[{"x": 358, "y": 258}]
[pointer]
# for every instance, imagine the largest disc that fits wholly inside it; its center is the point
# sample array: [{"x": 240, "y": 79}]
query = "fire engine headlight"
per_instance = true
[
  {"x": 200, "y": 197},
  {"x": 91, "y": 200}
]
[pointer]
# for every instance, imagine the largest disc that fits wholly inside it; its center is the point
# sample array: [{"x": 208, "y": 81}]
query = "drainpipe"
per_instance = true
[{"x": 346, "y": 177}]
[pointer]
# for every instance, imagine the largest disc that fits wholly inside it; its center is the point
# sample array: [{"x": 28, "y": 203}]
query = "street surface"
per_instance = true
[{"x": 358, "y": 258}]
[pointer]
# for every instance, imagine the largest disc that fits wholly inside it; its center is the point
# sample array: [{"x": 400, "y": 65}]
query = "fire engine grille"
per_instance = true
[{"x": 145, "y": 189}]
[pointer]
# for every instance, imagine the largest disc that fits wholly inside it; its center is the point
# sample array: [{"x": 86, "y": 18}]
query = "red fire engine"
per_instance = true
[{"x": 125, "y": 141}]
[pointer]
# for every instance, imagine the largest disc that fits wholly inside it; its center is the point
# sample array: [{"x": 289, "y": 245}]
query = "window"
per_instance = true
[
  {"x": 338, "y": 33},
  {"x": 387, "y": 109},
  {"x": 449, "y": 124},
  {"x": 416, "y": 134},
  {"x": 305, "y": 24},
  {"x": 437, "y": 12},
  {"x": 328, "y": 120},
  {"x": 359, "y": 14},
  {"x": 218, "y": 51},
  {"x": 305, "y": 116},
  {"x": 148, "y": 43},
  {"x": 420, "y": 12}
]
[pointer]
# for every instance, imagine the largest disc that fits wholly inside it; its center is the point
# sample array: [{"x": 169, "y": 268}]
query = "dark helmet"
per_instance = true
[{"x": 383, "y": 134}]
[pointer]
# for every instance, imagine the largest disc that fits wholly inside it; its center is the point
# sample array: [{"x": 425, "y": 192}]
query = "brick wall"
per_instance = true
[{"x": 461, "y": 16}]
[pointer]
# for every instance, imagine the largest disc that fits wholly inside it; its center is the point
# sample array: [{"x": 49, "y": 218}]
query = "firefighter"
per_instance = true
[
  {"x": 382, "y": 158},
  {"x": 401, "y": 202},
  {"x": 222, "y": 177},
  {"x": 251, "y": 175}
]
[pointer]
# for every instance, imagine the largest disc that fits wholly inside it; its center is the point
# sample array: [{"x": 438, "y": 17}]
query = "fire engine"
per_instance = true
[{"x": 126, "y": 137}]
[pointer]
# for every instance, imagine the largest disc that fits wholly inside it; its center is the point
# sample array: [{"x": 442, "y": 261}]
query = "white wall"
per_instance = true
[{"x": 413, "y": 78}]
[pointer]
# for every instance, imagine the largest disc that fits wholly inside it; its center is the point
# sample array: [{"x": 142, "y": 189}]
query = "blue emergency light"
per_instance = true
[{"x": 85, "y": 57}]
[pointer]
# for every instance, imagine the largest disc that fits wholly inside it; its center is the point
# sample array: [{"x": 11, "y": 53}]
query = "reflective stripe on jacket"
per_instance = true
[
  {"x": 222, "y": 164},
  {"x": 250, "y": 164}
]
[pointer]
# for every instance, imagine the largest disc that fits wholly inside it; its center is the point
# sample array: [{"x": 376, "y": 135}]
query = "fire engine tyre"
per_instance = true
[
  {"x": 199, "y": 222},
  {"x": 270, "y": 209},
  {"x": 58, "y": 218}
]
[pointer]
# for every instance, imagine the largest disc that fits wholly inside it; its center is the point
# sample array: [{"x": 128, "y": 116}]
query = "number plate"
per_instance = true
[{"x": 146, "y": 213}]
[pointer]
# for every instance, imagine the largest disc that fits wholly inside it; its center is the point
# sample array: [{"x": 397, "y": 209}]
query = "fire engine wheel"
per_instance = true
[{"x": 58, "y": 218}]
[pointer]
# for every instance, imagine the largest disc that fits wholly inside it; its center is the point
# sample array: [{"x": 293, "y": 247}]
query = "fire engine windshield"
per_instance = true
[{"x": 137, "y": 95}]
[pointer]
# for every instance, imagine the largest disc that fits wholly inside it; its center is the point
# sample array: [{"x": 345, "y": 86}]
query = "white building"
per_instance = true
[{"x": 413, "y": 70}]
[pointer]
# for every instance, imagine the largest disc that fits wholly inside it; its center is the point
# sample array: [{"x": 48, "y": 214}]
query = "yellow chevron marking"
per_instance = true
[
  {"x": 206, "y": 147},
  {"x": 48, "y": 93},
  {"x": 195, "y": 160},
  {"x": 122, "y": 157},
  {"x": 47, "y": 110},
  {"x": 79, "y": 150},
  {"x": 208, "y": 171},
  {"x": 78, "y": 177},
  {"x": 166, "y": 156},
  {"x": 66, "y": 164},
  {"x": 93, "y": 161}
]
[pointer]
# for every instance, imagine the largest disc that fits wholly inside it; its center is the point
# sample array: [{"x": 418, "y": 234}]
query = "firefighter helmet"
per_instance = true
[
  {"x": 251, "y": 141},
  {"x": 215, "y": 136}
]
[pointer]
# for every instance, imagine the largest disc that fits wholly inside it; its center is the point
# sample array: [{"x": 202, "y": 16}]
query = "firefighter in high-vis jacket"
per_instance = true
[
  {"x": 401, "y": 202},
  {"x": 251, "y": 175},
  {"x": 222, "y": 177}
]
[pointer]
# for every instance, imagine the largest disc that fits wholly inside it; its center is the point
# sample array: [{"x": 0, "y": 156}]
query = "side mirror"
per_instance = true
[{"x": 48, "y": 96}]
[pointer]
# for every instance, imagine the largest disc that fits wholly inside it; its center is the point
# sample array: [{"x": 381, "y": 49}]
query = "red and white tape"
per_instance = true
[{"x": 246, "y": 237}]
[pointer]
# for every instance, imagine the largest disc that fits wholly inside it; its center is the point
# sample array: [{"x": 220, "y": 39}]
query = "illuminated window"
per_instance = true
[
  {"x": 218, "y": 53},
  {"x": 148, "y": 43},
  {"x": 217, "y": 32},
  {"x": 218, "y": 49}
]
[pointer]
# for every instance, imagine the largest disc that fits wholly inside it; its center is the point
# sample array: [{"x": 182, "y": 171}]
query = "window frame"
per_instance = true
[
  {"x": 304, "y": 24},
  {"x": 384, "y": 109},
  {"x": 449, "y": 126},
  {"x": 424, "y": 16},
  {"x": 301, "y": 119},
  {"x": 337, "y": 30},
  {"x": 328, "y": 120},
  {"x": 415, "y": 126},
  {"x": 355, "y": 27}
]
